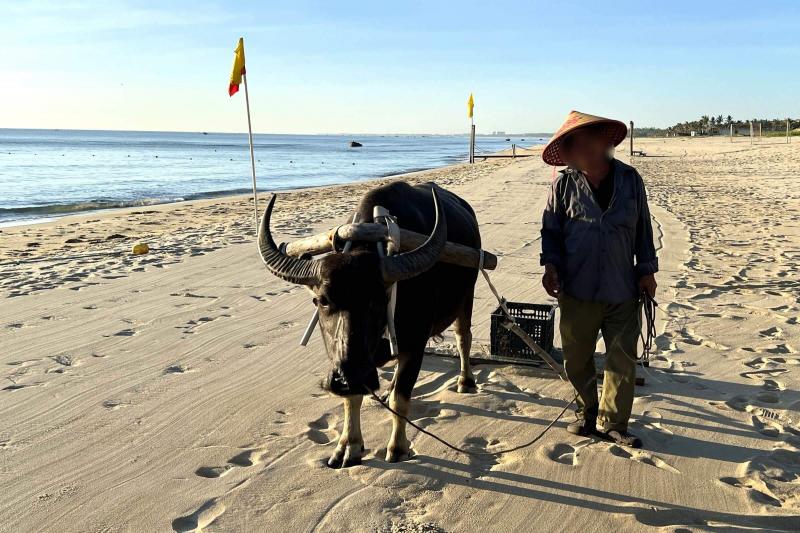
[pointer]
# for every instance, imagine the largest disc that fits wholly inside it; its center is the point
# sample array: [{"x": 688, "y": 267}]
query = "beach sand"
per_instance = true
[{"x": 168, "y": 392}]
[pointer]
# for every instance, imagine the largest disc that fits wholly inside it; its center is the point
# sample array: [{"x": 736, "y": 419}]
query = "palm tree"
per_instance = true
[{"x": 704, "y": 123}]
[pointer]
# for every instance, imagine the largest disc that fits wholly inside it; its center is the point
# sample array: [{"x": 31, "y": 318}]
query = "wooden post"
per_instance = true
[
  {"x": 631, "y": 138},
  {"x": 472, "y": 144},
  {"x": 731, "y": 131},
  {"x": 751, "y": 132},
  {"x": 514, "y": 150},
  {"x": 760, "y": 134},
  {"x": 787, "y": 132}
]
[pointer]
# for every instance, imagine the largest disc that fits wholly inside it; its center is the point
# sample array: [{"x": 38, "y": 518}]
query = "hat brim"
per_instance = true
[{"x": 614, "y": 130}]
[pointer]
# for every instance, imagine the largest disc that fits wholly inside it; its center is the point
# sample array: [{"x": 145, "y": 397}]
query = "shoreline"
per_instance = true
[
  {"x": 51, "y": 213},
  {"x": 143, "y": 203},
  {"x": 166, "y": 169},
  {"x": 44, "y": 255}
]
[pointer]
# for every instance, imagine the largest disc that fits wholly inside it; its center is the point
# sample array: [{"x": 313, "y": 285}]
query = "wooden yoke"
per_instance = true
[{"x": 453, "y": 253}]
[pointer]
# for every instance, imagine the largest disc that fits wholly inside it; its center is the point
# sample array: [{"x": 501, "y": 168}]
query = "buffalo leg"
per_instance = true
[
  {"x": 463, "y": 331},
  {"x": 408, "y": 367},
  {"x": 388, "y": 392},
  {"x": 351, "y": 444}
]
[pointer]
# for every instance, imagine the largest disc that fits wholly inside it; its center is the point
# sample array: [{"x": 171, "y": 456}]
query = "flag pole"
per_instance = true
[{"x": 252, "y": 155}]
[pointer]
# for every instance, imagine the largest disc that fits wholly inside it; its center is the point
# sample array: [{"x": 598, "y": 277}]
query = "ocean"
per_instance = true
[{"x": 50, "y": 173}]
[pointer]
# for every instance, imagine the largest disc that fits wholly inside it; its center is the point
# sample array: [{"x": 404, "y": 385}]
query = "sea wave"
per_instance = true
[
  {"x": 138, "y": 169},
  {"x": 66, "y": 208}
]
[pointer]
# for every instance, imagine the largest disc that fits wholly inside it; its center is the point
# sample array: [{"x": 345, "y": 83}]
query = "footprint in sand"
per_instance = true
[
  {"x": 773, "y": 333},
  {"x": 778, "y": 349},
  {"x": 113, "y": 404},
  {"x": 192, "y": 325},
  {"x": 123, "y": 333},
  {"x": 177, "y": 368},
  {"x": 253, "y": 345},
  {"x": 19, "y": 386},
  {"x": 761, "y": 374},
  {"x": 481, "y": 464},
  {"x": 242, "y": 460},
  {"x": 200, "y": 519},
  {"x": 652, "y": 421},
  {"x": 771, "y": 479},
  {"x": 642, "y": 457},
  {"x": 676, "y": 369},
  {"x": 711, "y": 293},
  {"x": 321, "y": 430},
  {"x": 281, "y": 418},
  {"x": 768, "y": 397},
  {"x": 772, "y": 385},
  {"x": 566, "y": 454},
  {"x": 766, "y": 363},
  {"x": 247, "y": 458},
  {"x": 678, "y": 308}
]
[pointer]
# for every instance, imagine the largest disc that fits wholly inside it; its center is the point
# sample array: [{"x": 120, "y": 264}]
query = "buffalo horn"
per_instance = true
[
  {"x": 300, "y": 271},
  {"x": 415, "y": 262}
]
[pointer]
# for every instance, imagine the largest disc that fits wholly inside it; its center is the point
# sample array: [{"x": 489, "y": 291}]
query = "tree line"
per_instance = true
[{"x": 720, "y": 125}]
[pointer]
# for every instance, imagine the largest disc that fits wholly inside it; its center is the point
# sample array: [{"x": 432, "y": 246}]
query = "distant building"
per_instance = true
[{"x": 498, "y": 133}]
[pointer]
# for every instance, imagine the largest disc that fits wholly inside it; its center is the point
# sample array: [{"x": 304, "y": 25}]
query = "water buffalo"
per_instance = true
[{"x": 351, "y": 291}]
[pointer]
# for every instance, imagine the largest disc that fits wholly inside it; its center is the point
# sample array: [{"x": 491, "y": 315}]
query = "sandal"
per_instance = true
[
  {"x": 583, "y": 427},
  {"x": 623, "y": 438}
]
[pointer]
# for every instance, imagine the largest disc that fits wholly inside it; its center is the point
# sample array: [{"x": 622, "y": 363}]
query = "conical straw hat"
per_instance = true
[{"x": 614, "y": 130}]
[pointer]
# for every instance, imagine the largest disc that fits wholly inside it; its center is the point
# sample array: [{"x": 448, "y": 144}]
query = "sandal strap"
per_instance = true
[{"x": 624, "y": 438}]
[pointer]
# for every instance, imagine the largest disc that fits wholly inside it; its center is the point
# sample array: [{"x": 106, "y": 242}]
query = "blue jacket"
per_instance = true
[{"x": 600, "y": 256}]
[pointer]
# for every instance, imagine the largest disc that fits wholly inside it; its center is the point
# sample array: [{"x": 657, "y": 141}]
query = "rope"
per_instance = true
[
  {"x": 465, "y": 451},
  {"x": 649, "y": 306},
  {"x": 474, "y": 452}
]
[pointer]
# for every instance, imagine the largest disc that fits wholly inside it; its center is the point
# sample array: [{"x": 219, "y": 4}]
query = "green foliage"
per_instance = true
[{"x": 719, "y": 125}]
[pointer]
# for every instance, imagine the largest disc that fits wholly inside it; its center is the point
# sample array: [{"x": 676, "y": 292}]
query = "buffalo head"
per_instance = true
[{"x": 351, "y": 293}]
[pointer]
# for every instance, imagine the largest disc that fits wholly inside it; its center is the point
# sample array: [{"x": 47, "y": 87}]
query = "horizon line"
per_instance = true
[{"x": 466, "y": 133}]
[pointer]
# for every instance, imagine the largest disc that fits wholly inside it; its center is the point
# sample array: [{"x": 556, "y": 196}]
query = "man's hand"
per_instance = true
[
  {"x": 648, "y": 284},
  {"x": 550, "y": 281}
]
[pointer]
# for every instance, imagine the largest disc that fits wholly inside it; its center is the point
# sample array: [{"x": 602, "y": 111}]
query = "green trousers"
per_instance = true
[{"x": 581, "y": 321}]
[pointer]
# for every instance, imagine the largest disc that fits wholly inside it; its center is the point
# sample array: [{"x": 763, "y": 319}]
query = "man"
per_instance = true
[{"x": 598, "y": 254}]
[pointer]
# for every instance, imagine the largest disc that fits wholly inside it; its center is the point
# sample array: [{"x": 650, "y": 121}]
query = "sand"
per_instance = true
[{"x": 168, "y": 391}]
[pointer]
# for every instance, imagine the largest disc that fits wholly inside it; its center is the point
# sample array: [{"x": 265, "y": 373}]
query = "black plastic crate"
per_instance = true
[{"x": 537, "y": 320}]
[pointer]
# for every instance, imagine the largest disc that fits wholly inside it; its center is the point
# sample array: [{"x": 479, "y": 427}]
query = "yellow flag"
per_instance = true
[
  {"x": 238, "y": 68},
  {"x": 470, "y": 105}
]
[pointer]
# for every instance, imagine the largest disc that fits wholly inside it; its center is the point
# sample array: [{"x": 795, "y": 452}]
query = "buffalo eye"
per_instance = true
[{"x": 322, "y": 301}]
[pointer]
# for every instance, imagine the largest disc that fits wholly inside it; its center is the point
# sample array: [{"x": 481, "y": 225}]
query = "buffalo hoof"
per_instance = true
[
  {"x": 396, "y": 455},
  {"x": 467, "y": 385},
  {"x": 347, "y": 456}
]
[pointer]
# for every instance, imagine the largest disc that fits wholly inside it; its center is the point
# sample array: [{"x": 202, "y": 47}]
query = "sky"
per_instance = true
[{"x": 393, "y": 67}]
